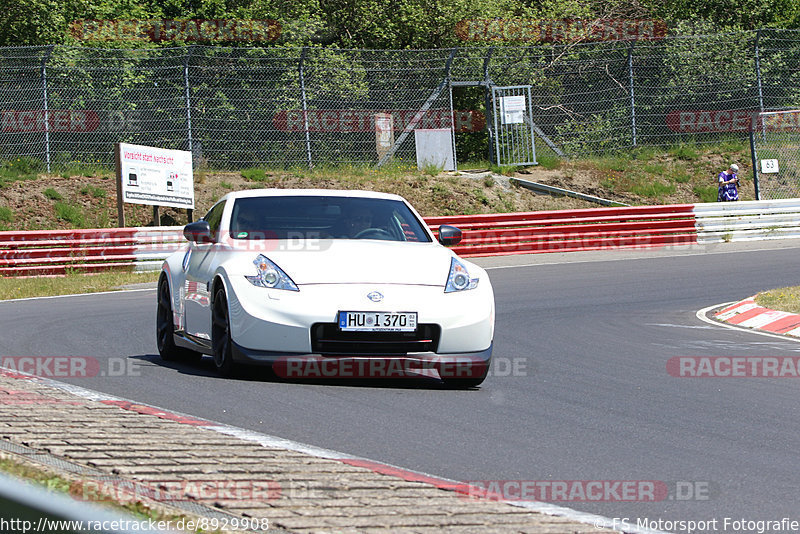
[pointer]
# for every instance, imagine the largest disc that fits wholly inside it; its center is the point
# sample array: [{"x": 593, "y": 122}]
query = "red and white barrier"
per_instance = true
[
  {"x": 44, "y": 252},
  {"x": 59, "y": 251},
  {"x": 572, "y": 230}
]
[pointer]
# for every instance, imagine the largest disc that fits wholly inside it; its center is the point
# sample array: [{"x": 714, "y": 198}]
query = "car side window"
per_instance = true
[{"x": 214, "y": 219}]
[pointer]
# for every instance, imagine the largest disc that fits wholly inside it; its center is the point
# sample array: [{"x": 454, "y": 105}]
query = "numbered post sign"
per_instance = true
[{"x": 769, "y": 166}]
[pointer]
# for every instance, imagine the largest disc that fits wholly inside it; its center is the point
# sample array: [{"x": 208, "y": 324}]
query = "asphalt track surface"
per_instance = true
[{"x": 591, "y": 398}]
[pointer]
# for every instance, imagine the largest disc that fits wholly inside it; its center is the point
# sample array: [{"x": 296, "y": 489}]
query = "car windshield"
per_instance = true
[{"x": 324, "y": 217}]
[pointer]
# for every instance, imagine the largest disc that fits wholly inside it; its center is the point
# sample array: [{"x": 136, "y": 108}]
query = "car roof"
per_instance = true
[{"x": 352, "y": 193}]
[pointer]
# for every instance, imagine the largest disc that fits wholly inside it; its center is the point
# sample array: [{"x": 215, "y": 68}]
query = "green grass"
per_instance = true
[
  {"x": 655, "y": 168},
  {"x": 549, "y": 162},
  {"x": 685, "y": 152},
  {"x": 226, "y": 185},
  {"x": 706, "y": 193},
  {"x": 22, "y": 168},
  {"x": 254, "y": 175},
  {"x": 783, "y": 299},
  {"x": 76, "y": 487},
  {"x": 72, "y": 284},
  {"x": 6, "y": 215},
  {"x": 52, "y": 194},
  {"x": 505, "y": 170},
  {"x": 432, "y": 169},
  {"x": 70, "y": 213},
  {"x": 643, "y": 153},
  {"x": 653, "y": 189},
  {"x": 84, "y": 169},
  {"x": 611, "y": 163},
  {"x": 481, "y": 197},
  {"x": 95, "y": 191}
]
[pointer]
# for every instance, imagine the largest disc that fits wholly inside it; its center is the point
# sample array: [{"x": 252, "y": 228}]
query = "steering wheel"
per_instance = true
[{"x": 376, "y": 233}]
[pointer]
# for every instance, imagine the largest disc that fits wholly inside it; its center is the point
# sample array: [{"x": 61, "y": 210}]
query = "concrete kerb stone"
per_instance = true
[
  {"x": 62, "y": 430},
  {"x": 747, "y": 314}
]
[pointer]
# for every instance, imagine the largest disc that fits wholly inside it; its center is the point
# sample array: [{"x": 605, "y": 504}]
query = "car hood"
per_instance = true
[{"x": 344, "y": 261}]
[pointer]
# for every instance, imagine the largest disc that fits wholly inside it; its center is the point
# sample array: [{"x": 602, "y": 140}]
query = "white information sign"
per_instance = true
[
  {"x": 769, "y": 166},
  {"x": 512, "y": 109},
  {"x": 156, "y": 176}
]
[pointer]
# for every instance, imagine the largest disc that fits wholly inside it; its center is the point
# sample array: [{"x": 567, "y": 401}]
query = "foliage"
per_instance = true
[
  {"x": 70, "y": 213},
  {"x": 254, "y": 175},
  {"x": 52, "y": 194},
  {"x": 653, "y": 189},
  {"x": 706, "y": 193},
  {"x": 374, "y": 23},
  {"x": 92, "y": 190},
  {"x": 784, "y": 299}
]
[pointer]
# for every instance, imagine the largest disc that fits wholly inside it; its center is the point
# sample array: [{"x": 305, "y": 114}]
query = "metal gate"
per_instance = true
[{"x": 513, "y": 125}]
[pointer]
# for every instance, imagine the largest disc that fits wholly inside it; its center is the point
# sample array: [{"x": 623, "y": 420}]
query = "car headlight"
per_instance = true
[
  {"x": 270, "y": 275},
  {"x": 459, "y": 279}
]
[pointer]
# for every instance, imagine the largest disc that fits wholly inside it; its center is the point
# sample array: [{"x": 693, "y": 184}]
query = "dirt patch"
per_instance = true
[{"x": 89, "y": 201}]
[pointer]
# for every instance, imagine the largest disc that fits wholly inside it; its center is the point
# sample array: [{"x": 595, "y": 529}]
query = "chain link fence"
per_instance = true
[
  {"x": 775, "y": 142},
  {"x": 241, "y": 107}
]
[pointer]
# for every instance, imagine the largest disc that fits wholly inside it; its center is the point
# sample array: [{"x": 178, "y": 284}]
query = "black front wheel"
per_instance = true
[
  {"x": 165, "y": 329},
  {"x": 221, "y": 334}
]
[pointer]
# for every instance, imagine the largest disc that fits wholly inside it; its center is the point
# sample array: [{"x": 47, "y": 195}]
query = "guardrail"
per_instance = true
[
  {"x": 747, "y": 220},
  {"x": 59, "y": 251},
  {"x": 48, "y": 252},
  {"x": 572, "y": 230}
]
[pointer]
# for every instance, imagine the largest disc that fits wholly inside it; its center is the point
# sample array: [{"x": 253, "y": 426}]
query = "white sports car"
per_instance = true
[{"x": 322, "y": 283}]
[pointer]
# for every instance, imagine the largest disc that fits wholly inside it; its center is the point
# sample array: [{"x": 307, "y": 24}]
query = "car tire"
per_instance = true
[
  {"x": 165, "y": 328},
  {"x": 221, "y": 342}
]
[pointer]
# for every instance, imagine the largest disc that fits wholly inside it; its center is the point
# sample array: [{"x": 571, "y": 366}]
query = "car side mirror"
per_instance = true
[
  {"x": 198, "y": 232},
  {"x": 449, "y": 235}
]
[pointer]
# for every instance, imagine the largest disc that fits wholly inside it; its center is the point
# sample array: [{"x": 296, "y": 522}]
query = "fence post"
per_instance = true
[
  {"x": 760, "y": 90},
  {"x": 45, "y": 58},
  {"x": 488, "y": 102},
  {"x": 188, "y": 100},
  {"x": 633, "y": 98},
  {"x": 754, "y": 159},
  {"x": 301, "y": 71}
]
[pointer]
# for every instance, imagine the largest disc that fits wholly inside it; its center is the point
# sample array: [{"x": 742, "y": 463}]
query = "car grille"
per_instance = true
[{"x": 326, "y": 338}]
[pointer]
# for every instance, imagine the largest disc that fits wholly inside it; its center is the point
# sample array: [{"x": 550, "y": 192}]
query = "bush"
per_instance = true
[
  {"x": 69, "y": 213},
  {"x": 96, "y": 192},
  {"x": 52, "y": 194},
  {"x": 25, "y": 165},
  {"x": 432, "y": 169},
  {"x": 549, "y": 162},
  {"x": 254, "y": 175}
]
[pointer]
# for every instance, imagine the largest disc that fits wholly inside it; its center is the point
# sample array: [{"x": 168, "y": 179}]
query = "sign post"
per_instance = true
[{"x": 153, "y": 176}]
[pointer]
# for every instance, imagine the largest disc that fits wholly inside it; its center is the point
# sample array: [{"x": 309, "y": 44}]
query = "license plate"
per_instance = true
[{"x": 352, "y": 321}]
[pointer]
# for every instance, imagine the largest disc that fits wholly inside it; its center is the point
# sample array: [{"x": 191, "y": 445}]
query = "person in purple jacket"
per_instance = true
[{"x": 728, "y": 185}]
